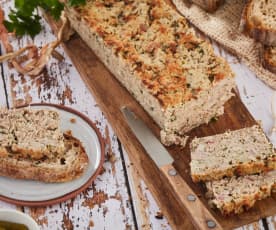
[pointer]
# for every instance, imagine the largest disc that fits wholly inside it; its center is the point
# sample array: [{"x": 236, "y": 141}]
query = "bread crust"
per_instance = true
[
  {"x": 269, "y": 58},
  {"x": 49, "y": 170},
  {"x": 209, "y": 5},
  {"x": 255, "y": 28}
]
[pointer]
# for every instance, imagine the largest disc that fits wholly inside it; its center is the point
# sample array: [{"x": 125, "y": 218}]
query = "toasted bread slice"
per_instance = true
[
  {"x": 237, "y": 194},
  {"x": 208, "y": 5},
  {"x": 259, "y": 21},
  {"x": 269, "y": 58},
  {"x": 240, "y": 152},
  {"x": 31, "y": 133},
  {"x": 66, "y": 167}
]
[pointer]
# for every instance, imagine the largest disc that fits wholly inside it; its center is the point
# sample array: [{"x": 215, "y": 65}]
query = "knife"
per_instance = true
[{"x": 200, "y": 216}]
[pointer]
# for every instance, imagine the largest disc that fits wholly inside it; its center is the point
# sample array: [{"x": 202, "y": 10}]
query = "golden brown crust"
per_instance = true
[
  {"x": 244, "y": 204},
  {"x": 48, "y": 171},
  {"x": 3, "y": 152},
  {"x": 27, "y": 153},
  {"x": 158, "y": 61},
  {"x": 269, "y": 58},
  {"x": 255, "y": 28}
]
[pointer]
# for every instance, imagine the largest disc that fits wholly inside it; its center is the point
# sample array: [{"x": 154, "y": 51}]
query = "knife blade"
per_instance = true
[
  {"x": 200, "y": 216},
  {"x": 145, "y": 136}
]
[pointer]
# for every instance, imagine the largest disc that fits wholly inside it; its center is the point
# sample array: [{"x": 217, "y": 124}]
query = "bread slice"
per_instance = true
[
  {"x": 237, "y": 194},
  {"x": 259, "y": 21},
  {"x": 152, "y": 51},
  {"x": 208, "y": 5},
  {"x": 240, "y": 152},
  {"x": 66, "y": 167},
  {"x": 269, "y": 58},
  {"x": 31, "y": 133}
]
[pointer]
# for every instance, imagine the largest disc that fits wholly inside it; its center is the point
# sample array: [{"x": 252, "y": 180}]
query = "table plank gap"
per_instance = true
[
  {"x": 128, "y": 184},
  {"x": 4, "y": 101},
  {"x": 144, "y": 203}
]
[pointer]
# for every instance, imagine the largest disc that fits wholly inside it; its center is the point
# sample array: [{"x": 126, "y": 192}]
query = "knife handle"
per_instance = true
[{"x": 195, "y": 209}]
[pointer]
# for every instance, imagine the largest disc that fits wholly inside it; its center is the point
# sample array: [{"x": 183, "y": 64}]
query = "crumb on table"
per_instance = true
[
  {"x": 68, "y": 132},
  {"x": 73, "y": 120},
  {"x": 159, "y": 215}
]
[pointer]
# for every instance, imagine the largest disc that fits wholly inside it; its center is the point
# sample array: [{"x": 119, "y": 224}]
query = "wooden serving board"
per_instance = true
[{"x": 111, "y": 96}]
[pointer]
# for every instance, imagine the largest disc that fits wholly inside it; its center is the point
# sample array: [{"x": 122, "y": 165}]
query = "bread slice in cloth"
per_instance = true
[
  {"x": 240, "y": 152},
  {"x": 237, "y": 194},
  {"x": 259, "y": 21},
  {"x": 269, "y": 58},
  {"x": 155, "y": 54},
  {"x": 208, "y": 5}
]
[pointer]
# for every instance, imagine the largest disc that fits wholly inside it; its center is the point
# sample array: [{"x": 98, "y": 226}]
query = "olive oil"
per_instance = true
[{"x": 6, "y": 225}]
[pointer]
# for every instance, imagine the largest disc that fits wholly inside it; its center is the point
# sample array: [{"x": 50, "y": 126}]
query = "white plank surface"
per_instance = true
[
  {"x": 145, "y": 206},
  {"x": 253, "y": 92},
  {"x": 106, "y": 203},
  {"x": 2, "y": 93}
]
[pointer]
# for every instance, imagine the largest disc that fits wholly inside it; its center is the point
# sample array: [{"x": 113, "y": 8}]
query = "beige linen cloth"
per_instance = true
[{"x": 224, "y": 27}]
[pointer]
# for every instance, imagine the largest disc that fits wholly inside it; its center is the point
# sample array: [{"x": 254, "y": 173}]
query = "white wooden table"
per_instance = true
[{"x": 118, "y": 198}]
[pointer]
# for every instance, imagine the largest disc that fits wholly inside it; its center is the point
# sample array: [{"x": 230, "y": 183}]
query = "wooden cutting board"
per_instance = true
[{"x": 111, "y": 96}]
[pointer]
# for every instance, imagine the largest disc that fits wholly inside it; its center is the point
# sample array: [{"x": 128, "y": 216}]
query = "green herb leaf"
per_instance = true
[
  {"x": 24, "y": 19},
  {"x": 22, "y": 24},
  {"x": 76, "y": 2},
  {"x": 54, "y": 7}
]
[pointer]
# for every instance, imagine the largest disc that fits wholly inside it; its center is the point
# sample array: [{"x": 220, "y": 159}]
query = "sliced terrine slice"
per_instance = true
[
  {"x": 240, "y": 152},
  {"x": 237, "y": 194}
]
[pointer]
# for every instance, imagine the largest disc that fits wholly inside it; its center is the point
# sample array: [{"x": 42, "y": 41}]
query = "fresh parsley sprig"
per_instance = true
[{"x": 25, "y": 19}]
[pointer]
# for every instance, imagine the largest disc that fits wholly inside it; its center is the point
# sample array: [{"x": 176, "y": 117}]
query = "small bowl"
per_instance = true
[{"x": 18, "y": 217}]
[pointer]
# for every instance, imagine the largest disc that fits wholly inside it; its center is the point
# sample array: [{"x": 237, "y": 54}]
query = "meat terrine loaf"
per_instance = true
[
  {"x": 237, "y": 194},
  {"x": 240, "y": 152},
  {"x": 31, "y": 133},
  {"x": 153, "y": 52}
]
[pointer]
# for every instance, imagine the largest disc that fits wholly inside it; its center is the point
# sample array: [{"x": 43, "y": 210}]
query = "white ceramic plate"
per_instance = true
[
  {"x": 32, "y": 193},
  {"x": 18, "y": 217}
]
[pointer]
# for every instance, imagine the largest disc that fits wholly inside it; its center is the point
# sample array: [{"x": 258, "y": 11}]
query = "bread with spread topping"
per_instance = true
[
  {"x": 237, "y": 194},
  {"x": 156, "y": 55},
  {"x": 33, "y": 147},
  {"x": 240, "y": 152},
  {"x": 31, "y": 133},
  {"x": 259, "y": 21}
]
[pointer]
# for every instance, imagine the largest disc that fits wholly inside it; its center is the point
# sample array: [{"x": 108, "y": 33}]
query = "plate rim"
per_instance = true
[{"x": 83, "y": 187}]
